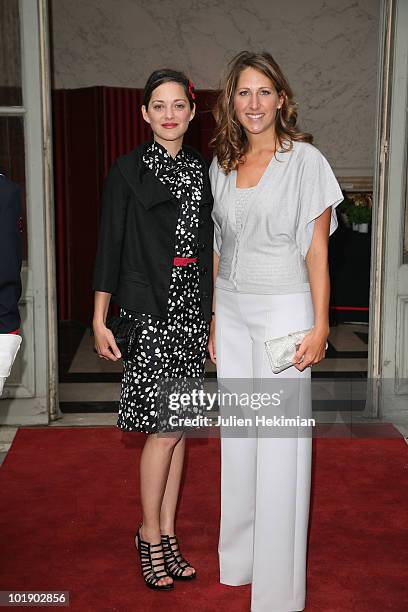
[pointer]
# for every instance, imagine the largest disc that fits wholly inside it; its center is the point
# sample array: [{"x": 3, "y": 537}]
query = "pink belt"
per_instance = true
[{"x": 184, "y": 261}]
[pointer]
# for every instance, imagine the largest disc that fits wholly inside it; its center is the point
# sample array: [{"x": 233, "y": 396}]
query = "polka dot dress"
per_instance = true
[{"x": 174, "y": 348}]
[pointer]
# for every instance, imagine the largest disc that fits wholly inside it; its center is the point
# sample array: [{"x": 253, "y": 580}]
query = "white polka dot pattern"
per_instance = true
[{"x": 172, "y": 348}]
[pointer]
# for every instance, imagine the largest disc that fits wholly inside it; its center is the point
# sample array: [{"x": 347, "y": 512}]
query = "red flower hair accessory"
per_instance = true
[{"x": 191, "y": 89}]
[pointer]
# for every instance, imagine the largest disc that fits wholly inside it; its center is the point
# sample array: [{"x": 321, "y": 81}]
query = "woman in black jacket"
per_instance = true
[{"x": 155, "y": 259}]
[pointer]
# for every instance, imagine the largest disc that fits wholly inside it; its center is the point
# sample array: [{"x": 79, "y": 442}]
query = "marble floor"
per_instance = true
[
  {"x": 89, "y": 387},
  {"x": 86, "y": 379}
]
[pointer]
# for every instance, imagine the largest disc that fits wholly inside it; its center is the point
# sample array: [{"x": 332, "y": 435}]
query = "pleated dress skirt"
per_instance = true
[{"x": 265, "y": 469}]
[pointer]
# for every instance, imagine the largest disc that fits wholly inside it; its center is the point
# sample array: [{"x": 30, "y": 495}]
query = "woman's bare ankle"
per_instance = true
[
  {"x": 150, "y": 534},
  {"x": 167, "y": 529}
]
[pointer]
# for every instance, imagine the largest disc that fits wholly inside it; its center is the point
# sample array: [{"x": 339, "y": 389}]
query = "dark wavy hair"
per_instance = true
[
  {"x": 230, "y": 140},
  {"x": 167, "y": 75}
]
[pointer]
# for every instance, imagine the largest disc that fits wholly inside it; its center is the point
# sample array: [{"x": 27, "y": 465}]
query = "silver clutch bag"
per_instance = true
[{"x": 282, "y": 350}]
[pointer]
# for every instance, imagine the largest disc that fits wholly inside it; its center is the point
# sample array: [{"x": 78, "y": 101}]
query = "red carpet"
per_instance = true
[{"x": 69, "y": 508}]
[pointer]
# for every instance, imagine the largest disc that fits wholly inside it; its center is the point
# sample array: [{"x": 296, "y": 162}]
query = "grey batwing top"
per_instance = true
[{"x": 265, "y": 252}]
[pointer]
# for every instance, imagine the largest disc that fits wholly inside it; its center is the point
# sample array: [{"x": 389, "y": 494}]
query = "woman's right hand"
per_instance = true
[
  {"x": 105, "y": 344},
  {"x": 211, "y": 342}
]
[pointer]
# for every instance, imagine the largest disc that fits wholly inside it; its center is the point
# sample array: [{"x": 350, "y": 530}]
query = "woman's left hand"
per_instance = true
[{"x": 312, "y": 349}]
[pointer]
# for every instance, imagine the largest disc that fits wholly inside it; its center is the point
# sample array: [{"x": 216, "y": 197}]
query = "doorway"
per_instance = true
[{"x": 31, "y": 392}]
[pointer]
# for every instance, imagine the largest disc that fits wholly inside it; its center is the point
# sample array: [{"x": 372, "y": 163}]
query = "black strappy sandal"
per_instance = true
[
  {"x": 175, "y": 562},
  {"x": 152, "y": 559}
]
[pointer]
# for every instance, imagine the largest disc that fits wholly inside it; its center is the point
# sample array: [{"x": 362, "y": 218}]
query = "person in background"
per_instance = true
[{"x": 10, "y": 268}]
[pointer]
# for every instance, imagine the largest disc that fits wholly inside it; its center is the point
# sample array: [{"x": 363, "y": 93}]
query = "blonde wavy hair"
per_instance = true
[{"x": 230, "y": 141}]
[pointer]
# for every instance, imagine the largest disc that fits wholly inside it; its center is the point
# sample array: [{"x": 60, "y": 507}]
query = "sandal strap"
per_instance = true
[
  {"x": 152, "y": 561},
  {"x": 175, "y": 561}
]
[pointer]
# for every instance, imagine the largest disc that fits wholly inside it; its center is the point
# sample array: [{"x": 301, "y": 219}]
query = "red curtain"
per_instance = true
[
  {"x": 92, "y": 127},
  {"x": 78, "y": 143},
  {"x": 123, "y": 125}
]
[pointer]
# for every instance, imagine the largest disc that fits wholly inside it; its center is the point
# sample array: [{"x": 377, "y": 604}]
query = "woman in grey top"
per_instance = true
[{"x": 274, "y": 209}]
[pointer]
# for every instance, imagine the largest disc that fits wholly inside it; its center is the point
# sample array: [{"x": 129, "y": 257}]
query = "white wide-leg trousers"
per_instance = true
[{"x": 265, "y": 479}]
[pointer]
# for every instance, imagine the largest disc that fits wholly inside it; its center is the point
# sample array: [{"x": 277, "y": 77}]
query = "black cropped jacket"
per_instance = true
[{"x": 136, "y": 243}]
